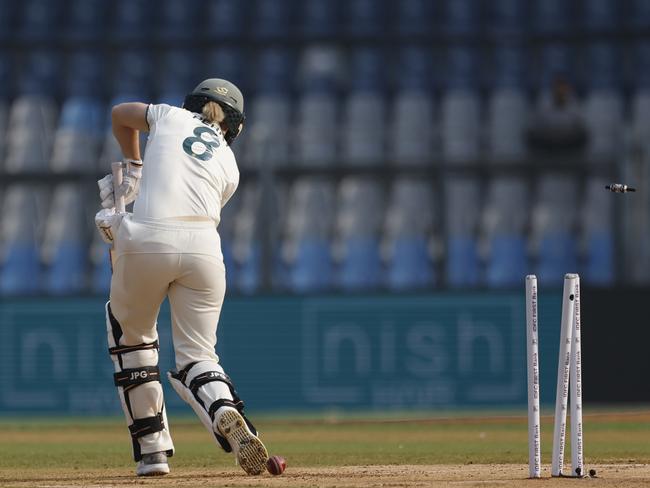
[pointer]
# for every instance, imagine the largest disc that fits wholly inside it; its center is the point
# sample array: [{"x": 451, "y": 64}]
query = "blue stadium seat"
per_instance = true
[
  {"x": 41, "y": 74},
  {"x": 557, "y": 256},
  {"x": 507, "y": 261},
  {"x": 603, "y": 114},
  {"x": 507, "y": 119},
  {"x": 556, "y": 58},
  {"x": 306, "y": 248},
  {"x": 227, "y": 63},
  {"x": 32, "y": 121},
  {"x": 462, "y": 68},
  {"x": 133, "y": 70},
  {"x": 639, "y": 14},
  {"x": 641, "y": 65},
  {"x": 358, "y": 222},
  {"x": 86, "y": 20},
  {"x": 460, "y": 126},
  {"x": 319, "y": 18},
  {"x": 365, "y": 18},
  {"x": 272, "y": 19},
  {"x": 463, "y": 268},
  {"x": 360, "y": 268},
  {"x": 40, "y": 20},
  {"x": 6, "y": 76},
  {"x": 176, "y": 75},
  {"x": 317, "y": 110},
  {"x": 131, "y": 20},
  {"x": 224, "y": 19},
  {"x": 551, "y": 16},
  {"x": 8, "y": 13},
  {"x": 508, "y": 17},
  {"x": 20, "y": 267},
  {"x": 414, "y": 17},
  {"x": 275, "y": 73},
  {"x": 249, "y": 273},
  {"x": 409, "y": 265},
  {"x": 177, "y": 19},
  {"x": 100, "y": 274},
  {"x": 64, "y": 250},
  {"x": 604, "y": 72},
  {"x": 85, "y": 74},
  {"x": 601, "y": 15},
  {"x": 599, "y": 265},
  {"x": 363, "y": 136},
  {"x": 311, "y": 268},
  {"x": 510, "y": 66},
  {"x": 462, "y": 17},
  {"x": 78, "y": 136}
]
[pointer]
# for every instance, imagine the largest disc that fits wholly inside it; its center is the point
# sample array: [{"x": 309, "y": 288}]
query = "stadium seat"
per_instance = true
[
  {"x": 176, "y": 75},
  {"x": 358, "y": 225},
  {"x": 462, "y": 209},
  {"x": 551, "y": 16},
  {"x": 306, "y": 248},
  {"x": 407, "y": 238},
  {"x": 241, "y": 218},
  {"x": 32, "y": 120},
  {"x": 597, "y": 233},
  {"x": 603, "y": 66},
  {"x": 100, "y": 263},
  {"x": 503, "y": 226},
  {"x": 272, "y": 19},
  {"x": 229, "y": 63},
  {"x": 461, "y": 126},
  {"x": 86, "y": 20},
  {"x": 553, "y": 228},
  {"x": 77, "y": 138},
  {"x": 20, "y": 267},
  {"x": 463, "y": 268},
  {"x": 639, "y": 14},
  {"x": 41, "y": 73},
  {"x": 131, "y": 21},
  {"x": 319, "y": 18},
  {"x": 317, "y": 114},
  {"x": 86, "y": 75},
  {"x": 510, "y": 66},
  {"x": 507, "y": 115},
  {"x": 4, "y": 115},
  {"x": 64, "y": 248},
  {"x": 365, "y": 18},
  {"x": 224, "y": 19},
  {"x": 508, "y": 17},
  {"x": 39, "y": 20},
  {"x": 8, "y": 13},
  {"x": 462, "y": 16},
  {"x": 507, "y": 262},
  {"x": 409, "y": 265},
  {"x": 363, "y": 131},
  {"x": 601, "y": 15},
  {"x": 133, "y": 70},
  {"x": 603, "y": 113},
  {"x": 177, "y": 19},
  {"x": 413, "y": 141},
  {"x": 267, "y": 136},
  {"x": 414, "y": 17}
]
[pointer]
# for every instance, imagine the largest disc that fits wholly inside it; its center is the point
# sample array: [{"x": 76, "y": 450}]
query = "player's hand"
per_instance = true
[
  {"x": 104, "y": 220},
  {"x": 129, "y": 189}
]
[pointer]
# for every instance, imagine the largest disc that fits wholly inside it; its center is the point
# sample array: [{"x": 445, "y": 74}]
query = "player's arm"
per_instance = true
[{"x": 128, "y": 120}]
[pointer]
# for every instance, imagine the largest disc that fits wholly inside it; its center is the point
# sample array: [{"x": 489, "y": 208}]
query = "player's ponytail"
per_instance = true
[{"x": 213, "y": 113}]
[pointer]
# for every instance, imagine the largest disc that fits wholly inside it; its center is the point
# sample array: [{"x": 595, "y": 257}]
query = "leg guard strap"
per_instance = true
[
  {"x": 141, "y": 427},
  {"x": 130, "y": 377}
]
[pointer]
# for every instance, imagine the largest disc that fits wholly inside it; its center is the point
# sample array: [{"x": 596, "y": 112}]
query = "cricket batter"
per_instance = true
[{"x": 169, "y": 247}]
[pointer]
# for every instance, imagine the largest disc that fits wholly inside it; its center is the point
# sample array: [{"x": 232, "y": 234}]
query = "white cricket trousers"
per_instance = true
[{"x": 181, "y": 260}]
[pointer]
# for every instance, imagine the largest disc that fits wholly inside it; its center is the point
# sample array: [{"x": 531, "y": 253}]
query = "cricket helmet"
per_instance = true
[{"x": 227, "y": 95}]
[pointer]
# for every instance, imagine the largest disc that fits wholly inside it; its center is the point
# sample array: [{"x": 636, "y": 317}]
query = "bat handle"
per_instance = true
[{"x": 117, "y": 181}]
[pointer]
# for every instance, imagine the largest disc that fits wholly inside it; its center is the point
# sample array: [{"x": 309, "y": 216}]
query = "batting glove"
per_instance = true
[
  {"x": 104, "y": 220},
  {"x": 130, "y": 187}
]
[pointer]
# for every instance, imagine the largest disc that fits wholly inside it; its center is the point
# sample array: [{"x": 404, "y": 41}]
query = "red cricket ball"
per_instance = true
[{"x": 276, "y": 465}]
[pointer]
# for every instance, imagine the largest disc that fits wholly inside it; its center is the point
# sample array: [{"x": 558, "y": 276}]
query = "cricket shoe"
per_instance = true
[
  {"x": 251, "y": 453},
  {"x": 153, "y": 464}
]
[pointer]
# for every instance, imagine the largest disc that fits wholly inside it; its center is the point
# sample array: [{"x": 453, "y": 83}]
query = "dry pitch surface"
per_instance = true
[{"x": 458, "y": 452}]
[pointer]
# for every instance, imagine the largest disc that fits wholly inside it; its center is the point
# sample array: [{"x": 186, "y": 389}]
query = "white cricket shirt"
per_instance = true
[{"x": 189, "y": 170}]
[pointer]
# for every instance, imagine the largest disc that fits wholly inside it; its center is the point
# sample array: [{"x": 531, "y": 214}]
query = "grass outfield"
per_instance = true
[{"x": 326, "y": 452}]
